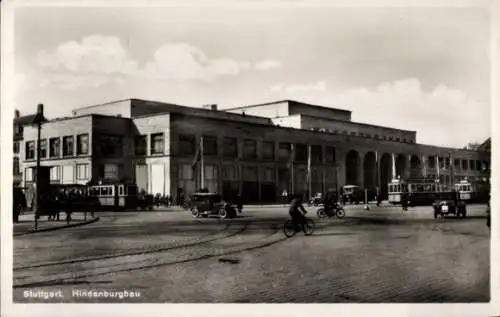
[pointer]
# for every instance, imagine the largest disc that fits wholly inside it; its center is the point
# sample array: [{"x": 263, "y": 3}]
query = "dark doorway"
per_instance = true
[{"x": 352, "y": 165}]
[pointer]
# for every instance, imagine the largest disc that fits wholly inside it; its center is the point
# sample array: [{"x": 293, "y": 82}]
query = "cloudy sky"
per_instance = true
[{"x": 416, "y": 68}]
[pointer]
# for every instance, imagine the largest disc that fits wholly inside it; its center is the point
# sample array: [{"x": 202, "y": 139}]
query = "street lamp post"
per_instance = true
[{"x": 39, "y": 119}]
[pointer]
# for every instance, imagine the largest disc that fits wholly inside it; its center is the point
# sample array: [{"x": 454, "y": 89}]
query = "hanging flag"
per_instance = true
[{"x": 197, "y": 157}]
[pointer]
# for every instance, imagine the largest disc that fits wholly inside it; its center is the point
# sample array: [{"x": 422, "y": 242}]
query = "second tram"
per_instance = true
[{"x": 420, "y": 191}]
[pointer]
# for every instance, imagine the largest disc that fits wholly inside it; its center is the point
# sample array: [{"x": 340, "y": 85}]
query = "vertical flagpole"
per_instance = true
[
  {"x": 437, "y": 165},
  {"x": 292, "y": 153},
  {"x": 309, "y": 185},
  {"x": 424, "y": 163},
  {"x": 393, "y": 167},
  {"x": 451, "y": 170},
  {"x": 202, "y": 164}
]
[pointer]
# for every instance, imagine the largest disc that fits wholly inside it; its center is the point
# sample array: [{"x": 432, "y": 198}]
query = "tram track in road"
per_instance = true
[
  {"x": 171, "y": 256},
  {"x": 108, "y": 263},
  {"x": 179, "y": 243}
]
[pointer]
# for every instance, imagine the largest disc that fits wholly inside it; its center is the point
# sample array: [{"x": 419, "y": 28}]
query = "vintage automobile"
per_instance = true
[
  {"x": 316, "y": 200},
  {"x": 448, "y": 203},
  {"x": 352, "y": 194},
  {"x": 211, "y": 204}
]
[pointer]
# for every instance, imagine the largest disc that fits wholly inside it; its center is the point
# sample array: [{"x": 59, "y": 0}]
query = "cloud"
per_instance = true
[
  {"x": 267, "y": 65},
  {"x": 312, "y": 87},
  {"x": 94, "y": 54},
  {"x": 182, "y": 61},
  {"x": 442, "y": 116},
  {"x": 86, "y": 63}
]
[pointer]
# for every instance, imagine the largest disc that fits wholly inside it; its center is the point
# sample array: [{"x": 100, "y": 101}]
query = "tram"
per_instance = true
[
  {"x": 114, "y": 196},
  {"x": 421, "y": 191},
  {"x": 473, "y": 191}
]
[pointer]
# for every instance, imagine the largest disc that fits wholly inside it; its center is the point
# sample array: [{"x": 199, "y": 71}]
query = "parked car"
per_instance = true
[
  {"x": 352, "y": 194},
  {"x": 316, "y": 200},
  {"x": 449, "y": 204},
  {"x": 211, "y": 204}
]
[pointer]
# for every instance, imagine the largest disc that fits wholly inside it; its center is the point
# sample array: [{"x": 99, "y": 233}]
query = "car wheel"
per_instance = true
[
  {"x": 222, "y": 213},
  {"x": 340, "y": 213},
  {"x": 196, "y": 213},
  {"x": 321, "y": 213}
]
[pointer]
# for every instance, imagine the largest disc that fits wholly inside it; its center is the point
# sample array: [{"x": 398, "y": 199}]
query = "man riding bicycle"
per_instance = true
[{"x": 297, "y": 211}]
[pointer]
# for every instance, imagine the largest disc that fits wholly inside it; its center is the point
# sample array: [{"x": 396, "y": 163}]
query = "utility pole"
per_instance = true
[{"x": 39, "y": 119}]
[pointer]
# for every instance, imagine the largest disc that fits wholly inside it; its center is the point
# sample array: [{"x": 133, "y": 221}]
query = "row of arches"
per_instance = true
[{"x": 366, "y": 167}]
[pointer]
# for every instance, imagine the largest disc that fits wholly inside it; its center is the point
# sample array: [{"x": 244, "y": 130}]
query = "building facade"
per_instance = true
[{"x": 257, "y": 151}]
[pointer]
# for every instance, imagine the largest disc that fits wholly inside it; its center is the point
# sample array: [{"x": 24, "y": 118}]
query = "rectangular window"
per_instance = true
[
  {"x": 68, "y": 145},
  {"x": 229, "y": 172},
  {"x": 54, "y": 147},
  {"x": 249, "y": 149},
  {"x": 141, "y": 144},
  {"x": 330, "y": 154},
  {"x": 471, "y": 165},
  {"x": 210, "y": 145},
  {"x": 432, "y": 161},
  {"x": 267, "y": 174},
  {"x": 186, "y": 172},
  {"x": 82, "y": 144},
  {"x": 478, "y": 165},
  {"x": 82, "y": 171},
  {"x": 300, "y": 152},
  {"x": 55, "y": 173},
  {"x": 353, "y": 133},
  {"x": 284, "y": 151},
  {"x": 43, "y": 148},
  {"x": 111, "y": 145},
  {"x": 230, "y": 147},
  {"x": 157, "y": 142},
  {"x": 398, "y": 139},
  {"x": 187, "y": 145},
  {"x": 16, "y": 147},
  {"x": 16, "y": 166},
  {"x": 28, "y": 174},
  {"x": 210, "y": 172},
  {"x": 447, "y": 162},
  {"x": 268, "y": 150},
  {"x": 250, "y": 173},
  {"x": 456, "y": 163},
  {"x": 111, "y": 171},
  {"x": 316, "y": 154},
  {"x": 465, "y": 166},
  {"x": 30, "y": 150}
]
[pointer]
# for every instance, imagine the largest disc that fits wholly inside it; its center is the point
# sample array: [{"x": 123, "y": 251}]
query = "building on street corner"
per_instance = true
[{"x": 257, "y": 151}]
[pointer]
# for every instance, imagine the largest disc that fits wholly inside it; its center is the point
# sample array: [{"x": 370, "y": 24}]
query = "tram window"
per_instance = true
[{"x": 120, "y": 190}]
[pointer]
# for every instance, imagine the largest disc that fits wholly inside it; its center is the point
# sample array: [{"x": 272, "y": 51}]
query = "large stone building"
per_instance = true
[{"x": 257, "y": 150}]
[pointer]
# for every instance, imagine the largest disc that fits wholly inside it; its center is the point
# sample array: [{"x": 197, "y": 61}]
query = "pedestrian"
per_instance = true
[
  {"x": 404, "y": 200},
  {"x": 284, "y": 197},
  {"x": 379, "y": 197}
]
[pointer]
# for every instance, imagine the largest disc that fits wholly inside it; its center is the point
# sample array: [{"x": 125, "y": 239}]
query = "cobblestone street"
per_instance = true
[{"x": 381, "y": 255}]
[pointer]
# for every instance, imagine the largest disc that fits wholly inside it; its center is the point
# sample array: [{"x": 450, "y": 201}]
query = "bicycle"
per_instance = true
[{"x": 289, "y": 229}]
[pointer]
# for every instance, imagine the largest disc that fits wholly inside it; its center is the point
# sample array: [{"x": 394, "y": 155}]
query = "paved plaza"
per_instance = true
[{"x": 380, "y": 255}]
